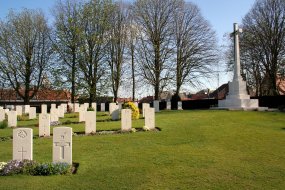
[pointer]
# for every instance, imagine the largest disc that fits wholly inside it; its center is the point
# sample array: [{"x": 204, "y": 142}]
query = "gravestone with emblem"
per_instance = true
[
  {"x": 150, "y": 118},
  {"x": 126, "y": 120},
  {"x": 32, "y": 113},
  {"x": 44, "y": 125},
  {"x": 23, "y": 144},
  {"x": 62, "y": 144},
  {"x": 90, "y": 122}
]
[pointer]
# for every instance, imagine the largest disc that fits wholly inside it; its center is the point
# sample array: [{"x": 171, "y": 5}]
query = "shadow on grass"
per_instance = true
[{"x": 74, "y": 167}]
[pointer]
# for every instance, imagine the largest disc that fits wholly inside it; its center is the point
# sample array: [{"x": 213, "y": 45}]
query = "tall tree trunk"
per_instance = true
[{"x": 133, "y": 72}]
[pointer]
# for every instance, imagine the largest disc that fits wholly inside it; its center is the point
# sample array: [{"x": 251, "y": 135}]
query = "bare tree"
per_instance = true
[
  {"x": 195, "y": 45},
  {"x": 154, "y": 20},
  {"x": 117, "y": 45},
  {"x": 264, "y": 40},
  {"x": 96, "y": 31},
  {"x": 25, "y": 51},
  {"x": 66, "y": 39}
]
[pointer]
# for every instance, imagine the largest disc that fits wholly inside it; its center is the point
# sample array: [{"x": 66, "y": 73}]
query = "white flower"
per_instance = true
[{"x": 2, "y": 165}]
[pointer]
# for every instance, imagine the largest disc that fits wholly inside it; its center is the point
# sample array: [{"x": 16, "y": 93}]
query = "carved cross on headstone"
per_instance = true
[
  {"x": 22, "y": 151},
  {"x": 61, "y": 145}
]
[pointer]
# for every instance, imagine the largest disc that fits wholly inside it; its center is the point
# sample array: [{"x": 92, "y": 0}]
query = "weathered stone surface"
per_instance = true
[
  {"x": 44, "y": 125},
  {"x": 62, "y": 144},
  {"x": 23, "y": 144},
  {"x": 53, "y": 106},
  {"x": 126, "y": 120},
  {"x": 90, "y": 122},
  {"x": 150, "y": 118}
]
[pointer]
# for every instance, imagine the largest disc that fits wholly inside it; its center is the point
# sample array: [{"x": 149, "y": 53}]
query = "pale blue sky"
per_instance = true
[{"x": 220, "y": 13}]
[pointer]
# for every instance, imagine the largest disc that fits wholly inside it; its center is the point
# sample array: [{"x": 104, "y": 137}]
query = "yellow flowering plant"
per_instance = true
[{"x": 134, "y": 108}]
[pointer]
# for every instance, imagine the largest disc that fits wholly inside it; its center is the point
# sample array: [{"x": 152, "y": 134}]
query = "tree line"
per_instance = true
[{"x": 92, "y": 47}]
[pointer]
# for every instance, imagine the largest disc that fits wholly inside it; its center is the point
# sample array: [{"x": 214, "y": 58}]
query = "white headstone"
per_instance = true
[
  {"x": 76, "y": 107},
  {"x": 44, "y": 109},
  {"x": 64, "y": 107},
  {"x": 112, "y": 107},
  {"x": 126, "y": 120},
  {"x": 90, "y": 122},
  {"x": 53, "y": 106},
  {"x": 144, "y": 106},
  {"x": 116, "y": 113},
  {"x": 168, "y": 105},
  {"x": 53, "y": 114},
  {"x": 94, "y": 106},
  {"x": 156, "y": 105},
  {"x": 23, "y": 144},
  {"x": 150, "y": 118},
  {"x": 27, "y": 109},
  {"x": 86, "y": 106},
  {"x": 12, "y": 119},
  {"x": 82, "y": 113},
  {"x": 19, "y": 110},
  {"x": 179, "y": 105},
  {"x": 120, "y": 105},
  {"x": 44, "y": 125},
  {"x": 6, "y": 110},
  {"x": 60, "y": 111},
  {"x": 103, "y": 107},
  {"x": 62, "y": 144},
  {"x": 32, "y": 113},
  {"x": 2, "y": 115}
]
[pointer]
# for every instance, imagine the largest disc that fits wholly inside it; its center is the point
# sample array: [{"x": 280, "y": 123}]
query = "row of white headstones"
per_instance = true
[{"x": 62, "y": 136}]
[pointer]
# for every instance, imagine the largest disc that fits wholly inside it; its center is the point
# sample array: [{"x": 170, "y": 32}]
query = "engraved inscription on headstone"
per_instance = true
[
  {"x": 44, "y": 125},
  {"x": 62, "y": 144},
  {"x": 23, "y": 144}
]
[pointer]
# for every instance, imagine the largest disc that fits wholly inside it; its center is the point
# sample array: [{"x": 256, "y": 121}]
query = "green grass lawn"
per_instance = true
[{"x": 194, "y": 150}]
